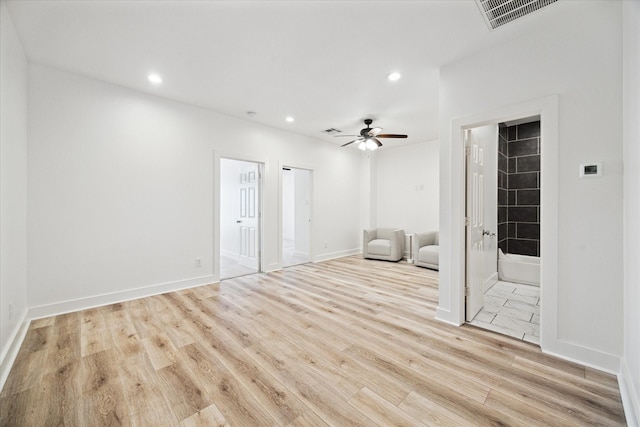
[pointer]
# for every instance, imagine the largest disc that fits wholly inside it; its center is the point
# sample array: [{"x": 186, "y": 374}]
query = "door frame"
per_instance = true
[
  {"x": 262, "y": 179},
  {"x": 454, "y": 243},
  {"x": 294, "y": 165}
]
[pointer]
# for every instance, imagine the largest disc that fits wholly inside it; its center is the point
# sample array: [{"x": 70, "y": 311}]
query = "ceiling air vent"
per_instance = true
[
  {"x": 500, "y": 12},
  {"x": 331, "y": 131}
]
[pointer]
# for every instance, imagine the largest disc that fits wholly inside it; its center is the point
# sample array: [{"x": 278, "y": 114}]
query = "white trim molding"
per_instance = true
[
  {"x": 10, "y": 352},
  {"x": 629, "y": 395},
  {"x": 339, "y": 254},
  {"x": 116, "y": 297}
]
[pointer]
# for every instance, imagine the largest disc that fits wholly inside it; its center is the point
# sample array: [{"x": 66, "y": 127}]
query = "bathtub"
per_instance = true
[{"x": 519, "y": 268}]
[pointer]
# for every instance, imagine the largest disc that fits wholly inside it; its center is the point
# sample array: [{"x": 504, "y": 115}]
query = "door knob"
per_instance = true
[
  {"x": 488, "y": 233},
  {"x": 239, "y": 221}
]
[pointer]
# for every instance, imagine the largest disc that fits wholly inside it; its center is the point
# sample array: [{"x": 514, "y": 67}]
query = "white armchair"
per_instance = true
[
  {"x": 383, "y": 243},
  {"x": 426, "y": 251}
]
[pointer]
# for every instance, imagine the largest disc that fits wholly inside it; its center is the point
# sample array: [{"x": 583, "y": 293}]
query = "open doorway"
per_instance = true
[
  {"x": 296, "y": 216},
  {"x": 503, "y": 217},
  {"x": 240, "y": 217}
]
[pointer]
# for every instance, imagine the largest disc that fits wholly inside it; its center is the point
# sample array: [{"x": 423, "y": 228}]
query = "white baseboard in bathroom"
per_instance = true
[{"x": 492, "y": 280}]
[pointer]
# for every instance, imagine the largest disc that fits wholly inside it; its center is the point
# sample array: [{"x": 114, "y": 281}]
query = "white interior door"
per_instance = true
[
  {"x": 296, "y": 216},
  {"x": 248, "y": 221},
  {"x": 240, "y": 222},
  {"x": 474, "y": 225}
]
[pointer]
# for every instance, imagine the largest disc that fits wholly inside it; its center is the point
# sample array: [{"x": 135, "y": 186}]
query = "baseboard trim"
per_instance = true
[
  {"x": 272, "y": 267},
  {"x": 229, "y": 254},
  {"x": 629, "y": 395},
  {"x": 585, "y": 356},
  {"x": 12, "y": 348},
  {"x": 444, "y": 315},
  {"x": 492, "y": 280},
  {"x": 115, "y": 297},
  {"x": 334, "y": 255},
  {"x": 301, "y": 254}
]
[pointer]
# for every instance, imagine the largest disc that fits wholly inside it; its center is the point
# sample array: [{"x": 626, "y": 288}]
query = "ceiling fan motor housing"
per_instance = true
[{"x": 365, "y": 132}]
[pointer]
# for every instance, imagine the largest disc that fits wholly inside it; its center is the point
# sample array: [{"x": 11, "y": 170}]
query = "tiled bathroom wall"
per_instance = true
[{"x": 519, "y": 188}]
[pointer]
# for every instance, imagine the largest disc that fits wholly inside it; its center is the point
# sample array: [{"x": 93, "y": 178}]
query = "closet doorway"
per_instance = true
[
  {"x": 296, "y": 216},
  {"x": 240, "y": 217}
]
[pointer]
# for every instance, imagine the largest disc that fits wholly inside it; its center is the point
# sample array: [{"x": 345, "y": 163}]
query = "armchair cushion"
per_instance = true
[
  {"x": 383, "y": 243},
  {"x": 427, "y": 250}
]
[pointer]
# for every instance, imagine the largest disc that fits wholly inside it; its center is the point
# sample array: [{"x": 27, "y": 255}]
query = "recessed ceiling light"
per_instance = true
[
  {"x": 392, "y": 77},
  {"x": 154, "y": 78},
  {"x": 290, "y": 119}
]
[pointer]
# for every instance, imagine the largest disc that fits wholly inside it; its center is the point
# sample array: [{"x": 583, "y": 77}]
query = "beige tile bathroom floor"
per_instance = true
[{"x": 511, "y": 309}]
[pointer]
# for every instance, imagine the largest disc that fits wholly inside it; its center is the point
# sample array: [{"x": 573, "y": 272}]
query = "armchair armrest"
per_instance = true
[
  {"x": 425, "y": 239},
  {"x": 397, "y": 243},
  {"x": 369, "y": 235}
]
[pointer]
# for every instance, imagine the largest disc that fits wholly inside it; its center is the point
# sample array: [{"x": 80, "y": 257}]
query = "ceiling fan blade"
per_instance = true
[
  {"x": 350, "y": 142},
  {"x": 375, "y": 131},
  {"x": 390, "y": 135},
  {"x": 377, "y": 141}
]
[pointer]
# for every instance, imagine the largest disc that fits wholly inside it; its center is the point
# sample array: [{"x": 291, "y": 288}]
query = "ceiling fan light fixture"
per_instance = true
[{"x": 368, "y": 137}]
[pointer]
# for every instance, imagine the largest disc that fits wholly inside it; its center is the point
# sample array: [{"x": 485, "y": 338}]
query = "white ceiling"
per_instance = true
[{"x": 322, "y": 62}]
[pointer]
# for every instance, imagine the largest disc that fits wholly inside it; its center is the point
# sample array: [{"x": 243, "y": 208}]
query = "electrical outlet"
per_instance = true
[
  {"x": 198, "y": 262},
  {"x": 10, "y": 310}
]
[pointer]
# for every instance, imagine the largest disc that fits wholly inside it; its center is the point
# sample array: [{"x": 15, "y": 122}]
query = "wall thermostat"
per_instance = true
[{"x": 588, "y": 170}]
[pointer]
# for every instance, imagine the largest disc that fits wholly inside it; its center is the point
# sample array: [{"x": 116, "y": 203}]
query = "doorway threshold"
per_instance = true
[{"x": 511, "y": 309}]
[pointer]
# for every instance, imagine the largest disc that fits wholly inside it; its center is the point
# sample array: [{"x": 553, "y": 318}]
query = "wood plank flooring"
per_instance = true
[{"x": 347, "y": 342}]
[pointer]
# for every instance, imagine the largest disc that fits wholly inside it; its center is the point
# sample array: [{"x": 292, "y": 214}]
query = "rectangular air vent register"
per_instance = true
[{"x": 500, "y": 12}]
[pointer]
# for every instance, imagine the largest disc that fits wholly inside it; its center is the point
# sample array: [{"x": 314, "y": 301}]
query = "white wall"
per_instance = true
[
  {"x": 288, "y": 205},
  {"x": 302, "y": 211},
  {"x": 579, "y": 58},
  {"x": 122, "y": 190},
  {"x": 406, "y": 186},
  {"x": 630, "y": 367},
  {"x": 13, "y": 188}
]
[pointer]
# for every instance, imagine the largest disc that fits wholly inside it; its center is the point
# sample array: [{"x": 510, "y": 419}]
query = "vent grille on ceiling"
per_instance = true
[
  {"x": 500, "y": 12},
  {"x": 331, "y": 131}
]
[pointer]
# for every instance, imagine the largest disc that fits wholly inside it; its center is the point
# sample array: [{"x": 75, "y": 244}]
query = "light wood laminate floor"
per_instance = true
[{"x": 346, "y": 342}]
